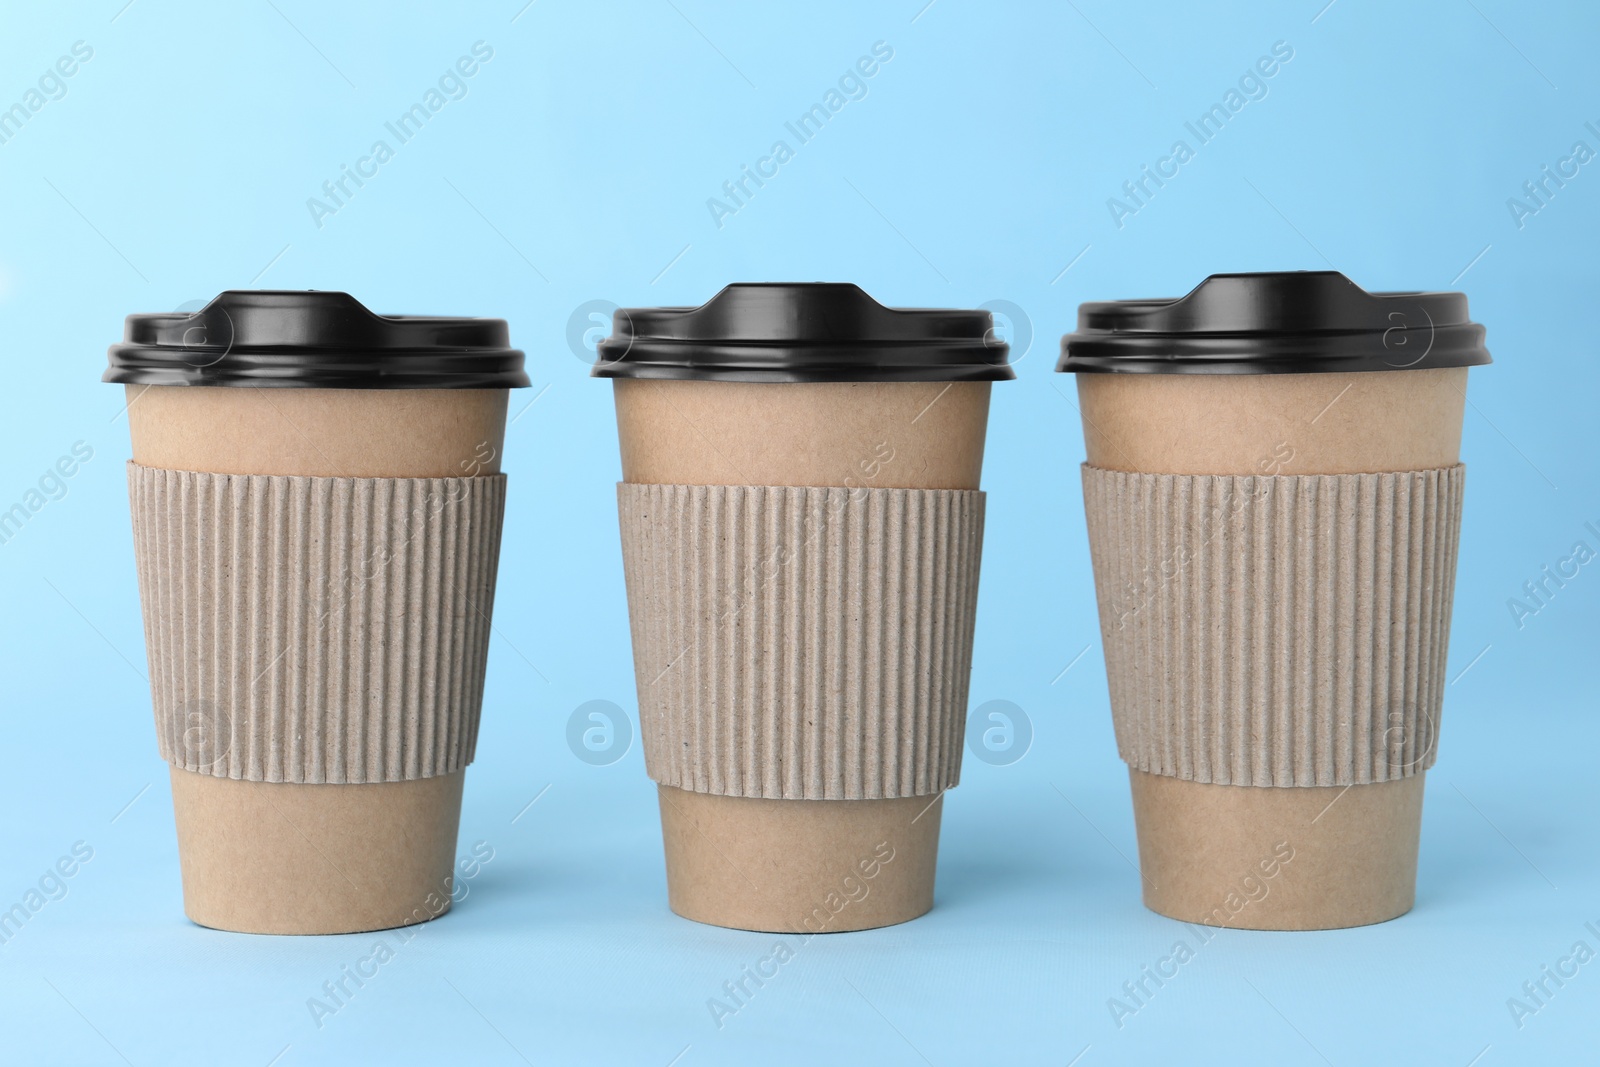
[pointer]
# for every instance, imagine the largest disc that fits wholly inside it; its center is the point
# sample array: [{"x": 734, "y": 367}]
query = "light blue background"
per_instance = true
[{"x": 977, "y": 168}]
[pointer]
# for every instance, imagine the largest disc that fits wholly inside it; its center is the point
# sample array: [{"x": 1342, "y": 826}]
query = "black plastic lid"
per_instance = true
[
  {"x": 318, "y": 340},
  {"x": 802, "y": 332},
  {"x": 1290, "y": 322}
]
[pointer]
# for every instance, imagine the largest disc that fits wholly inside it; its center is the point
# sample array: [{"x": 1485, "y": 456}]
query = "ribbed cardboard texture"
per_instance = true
[
  {"x": 316, "y": 630},
  {"x": 854, "y": 436},
  {"x": 1355, "y": 846},
  {"x": 283, "y": 857},
  {"x": 802, "y": 643},
  {"x": 1275, "y": 630}
]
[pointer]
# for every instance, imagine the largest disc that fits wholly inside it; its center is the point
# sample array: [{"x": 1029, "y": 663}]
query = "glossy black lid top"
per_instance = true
[
  {"x": 313, "y": 340},
  {"x": 1293, "y": 322},
  {"x": 802, "y": 332}
]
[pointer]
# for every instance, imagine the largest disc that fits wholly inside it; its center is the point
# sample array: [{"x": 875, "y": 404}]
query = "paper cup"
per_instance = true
[
  {"x": 1274, "y": 525},
  {"x": 317, "y": 622},
  {"x": 801, "y": 549}
]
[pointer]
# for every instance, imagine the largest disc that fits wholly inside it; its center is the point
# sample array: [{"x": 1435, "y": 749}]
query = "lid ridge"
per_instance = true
[
  {"x": 1276, "y": 322},
  {"x": 312, "y": 339},
  {"x": 802, "y": 332}
]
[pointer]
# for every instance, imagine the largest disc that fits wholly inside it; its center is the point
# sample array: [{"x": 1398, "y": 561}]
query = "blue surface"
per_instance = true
[{"x": 177, "y": 161}]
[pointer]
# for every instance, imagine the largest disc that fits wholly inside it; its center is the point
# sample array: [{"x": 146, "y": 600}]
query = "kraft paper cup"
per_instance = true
[
  {"x": 317, "y": 624},
  {"x": 795, "y": 514},
  {"x": 1273, "y": 493}
]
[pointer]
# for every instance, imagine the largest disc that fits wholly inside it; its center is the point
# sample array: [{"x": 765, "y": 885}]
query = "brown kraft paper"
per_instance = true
[
  {"x": 1354, "y": 846},
  {"x": 817, "y": 867},
  {"x": 315, "y": 859},
  {"x": 298, "y": 858},
  {"x": 766, "y": 864}
]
